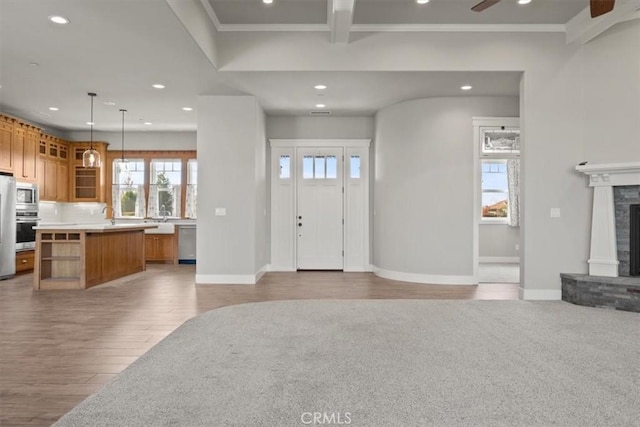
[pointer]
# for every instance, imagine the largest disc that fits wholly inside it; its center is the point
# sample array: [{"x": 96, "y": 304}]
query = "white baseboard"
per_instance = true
[
  {"x": 434, "y": 279},
  {"x": 226, "y": 279},
  {"x": 261, "y": 272},
  {"x": 540, "y": 294},
  {"x": 499, "y": 259},
  {"x": 281, "y": 269}
]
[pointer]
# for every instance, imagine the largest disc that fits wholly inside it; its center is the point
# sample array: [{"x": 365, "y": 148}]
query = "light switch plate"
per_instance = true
[
  {"x": 221, "y": 211},
  {"x": 554, "y": 213}
]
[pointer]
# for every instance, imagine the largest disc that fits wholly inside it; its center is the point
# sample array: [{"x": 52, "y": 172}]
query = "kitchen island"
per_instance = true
[{"x": 80, "y": 256}]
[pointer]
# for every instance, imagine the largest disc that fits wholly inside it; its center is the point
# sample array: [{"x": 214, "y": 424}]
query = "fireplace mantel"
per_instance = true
[
  {"x": 603, "y": 177},
  {"x": 611, "y": 174}
]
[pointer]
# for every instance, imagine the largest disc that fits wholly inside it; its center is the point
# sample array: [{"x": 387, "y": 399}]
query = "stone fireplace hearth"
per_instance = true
[{"x": 616, "y": 188}]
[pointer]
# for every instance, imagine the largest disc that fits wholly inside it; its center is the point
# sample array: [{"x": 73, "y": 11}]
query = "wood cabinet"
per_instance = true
[
  {"x": 26, "y": 140},
  {"x": 160, "y": 248},
  {"x": 87, "y": 184},
  {"x": 53, "y": 169},
  {"x": 81, "y": 258},
  {"x": 25, "y": 261},
  {"x": 6, "y": 144}
]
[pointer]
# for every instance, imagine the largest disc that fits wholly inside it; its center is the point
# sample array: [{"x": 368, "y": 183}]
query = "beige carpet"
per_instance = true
[{"x": 383, "y": 363}]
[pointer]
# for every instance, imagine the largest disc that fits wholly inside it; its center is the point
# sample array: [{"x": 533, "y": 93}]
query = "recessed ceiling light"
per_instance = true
[
  {"x": 187, "y": 108},
  {"x": 524, "y": 1},
  {"x": 109, "y": 103},
  {"x": 53, "y": 108},
  {"x": 320, "y": 87},
  {"x": 466, "y": 87},
  {"x": 90, "y": 123},
  {"x": 267, "y": 1},
  {"x": 58, "y": 19},
  {"x": 158, "y": 86},
  {"x": 422, "y": 1},
  {"x": 320, "y": 105},
  {"x": 148, "y": 123}
]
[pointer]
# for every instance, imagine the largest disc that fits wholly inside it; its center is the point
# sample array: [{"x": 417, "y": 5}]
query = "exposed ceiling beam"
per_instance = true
[
  {"x": 340, "y": 19},
  {"x": 582, "y": 28}
]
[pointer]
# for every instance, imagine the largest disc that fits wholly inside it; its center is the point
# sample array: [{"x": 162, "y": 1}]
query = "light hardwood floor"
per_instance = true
[{"x": 58, "y": 347}]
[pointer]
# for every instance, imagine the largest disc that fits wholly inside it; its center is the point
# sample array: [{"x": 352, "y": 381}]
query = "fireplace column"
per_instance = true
[
  {"x": 604, "y": 250},
  {"x": 603, "y": 260}
]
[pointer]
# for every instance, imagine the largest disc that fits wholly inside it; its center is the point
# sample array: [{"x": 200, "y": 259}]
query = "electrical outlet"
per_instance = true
[
  {"x": 554, "y": 213},
  {"x": 517, "y": 247},
  {"x": 221, "y": 211}
]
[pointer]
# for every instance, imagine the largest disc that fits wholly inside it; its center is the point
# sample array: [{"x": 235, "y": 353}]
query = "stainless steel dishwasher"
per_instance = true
[{"x": 187, "y": 244}]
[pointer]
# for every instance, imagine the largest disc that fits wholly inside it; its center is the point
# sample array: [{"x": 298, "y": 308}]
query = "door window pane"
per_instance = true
[
  {"x": 307, "y": 167},
  {"x": 319, "y": 167},
  {"x": 332, "y": 167},
  {"x": 285, "y": 167},
  {"x": 354, "y": 167}
]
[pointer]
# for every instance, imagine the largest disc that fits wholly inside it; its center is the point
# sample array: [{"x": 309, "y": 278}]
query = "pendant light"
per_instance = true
[
  {"x": 91, "y": 157},
  {"x": 124, "y": 167}
]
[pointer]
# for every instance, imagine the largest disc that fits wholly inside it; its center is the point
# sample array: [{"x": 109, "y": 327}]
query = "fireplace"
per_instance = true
[
  {"x": 615, "y": 240},
  {"x": 634, "y": 240},
  {"x": 615, "y": 188}
]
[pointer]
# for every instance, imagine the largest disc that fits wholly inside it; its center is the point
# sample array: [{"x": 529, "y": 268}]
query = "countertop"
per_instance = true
[{"x": 97, "y": 228}]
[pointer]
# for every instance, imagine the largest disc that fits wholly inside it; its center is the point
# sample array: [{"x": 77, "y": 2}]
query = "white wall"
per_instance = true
[
  {"x": 611, "y": 74},
  {"x": 140, "y": 140},
  {"x": 424, "y": 186},
  {"x": 261, "y": 228},
  {"x": 230, "y": 176},
  {"x": 307, "y": 127},
  {"x": 498, "y": 241}
]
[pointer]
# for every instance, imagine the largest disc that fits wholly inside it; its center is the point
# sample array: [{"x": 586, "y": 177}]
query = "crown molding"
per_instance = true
[
  {"x": 273, "y": 27},
  {"x": 462, "y": 28},
  {"x": 390, "y": 28},
  {"x": 211, "y": 13}
]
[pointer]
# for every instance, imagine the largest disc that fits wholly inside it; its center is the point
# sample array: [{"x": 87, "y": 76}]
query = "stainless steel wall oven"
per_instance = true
[{"x": 26, "y": 215}]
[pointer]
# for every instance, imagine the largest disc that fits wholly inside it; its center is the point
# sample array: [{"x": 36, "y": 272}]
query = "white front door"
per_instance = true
[{"x": 319, "y": 219}]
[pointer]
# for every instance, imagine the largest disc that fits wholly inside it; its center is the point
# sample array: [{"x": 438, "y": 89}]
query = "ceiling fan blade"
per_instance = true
[
  {"x": 483, "y": 5},
  {"x": 600, "y": 7}
]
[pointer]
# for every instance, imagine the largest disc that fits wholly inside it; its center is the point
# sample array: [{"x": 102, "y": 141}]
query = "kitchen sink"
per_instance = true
[{"x": 163, "y": 228}]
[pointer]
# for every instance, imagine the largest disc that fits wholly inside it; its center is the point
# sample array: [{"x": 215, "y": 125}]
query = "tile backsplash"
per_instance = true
[{"x": 78, "y": 213}]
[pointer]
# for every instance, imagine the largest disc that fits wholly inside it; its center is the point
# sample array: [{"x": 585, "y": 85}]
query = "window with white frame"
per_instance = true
[
  {"x": 165, "y": 188},
  {"x": 191, "y": 204},
  {"x": 127, "y": 190},
  {"x": 495, "y": 191}
]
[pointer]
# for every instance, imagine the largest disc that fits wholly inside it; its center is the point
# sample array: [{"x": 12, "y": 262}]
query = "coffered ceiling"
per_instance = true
[{"x": 120, "y": 48}]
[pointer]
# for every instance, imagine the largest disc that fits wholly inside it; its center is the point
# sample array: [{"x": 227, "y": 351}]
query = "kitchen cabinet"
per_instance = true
[
  {"x": 160, "y": 248},
  {"x": 6, "y": 144},
  {"x": 53, "y": 169},
  {"x": 25, "y": 261},
  {"x": 87, "y": 184},
  {"x": 81, "y": 256},
  {"x": 26, "y": 139}
]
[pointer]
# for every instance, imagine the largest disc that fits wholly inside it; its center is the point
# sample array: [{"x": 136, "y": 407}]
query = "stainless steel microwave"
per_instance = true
[{"x": 26, "y": 196}]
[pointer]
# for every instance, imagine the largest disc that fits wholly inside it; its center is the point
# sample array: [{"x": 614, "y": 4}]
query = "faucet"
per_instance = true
[
  {"x": 163, "y": 212},
  {"x": 113, "y": 214}
]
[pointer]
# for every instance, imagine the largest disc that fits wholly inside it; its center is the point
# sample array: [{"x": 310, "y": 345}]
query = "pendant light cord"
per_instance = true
[
  {"x": 91, "y": 94},
  {"x": 122, "y": 149}
]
